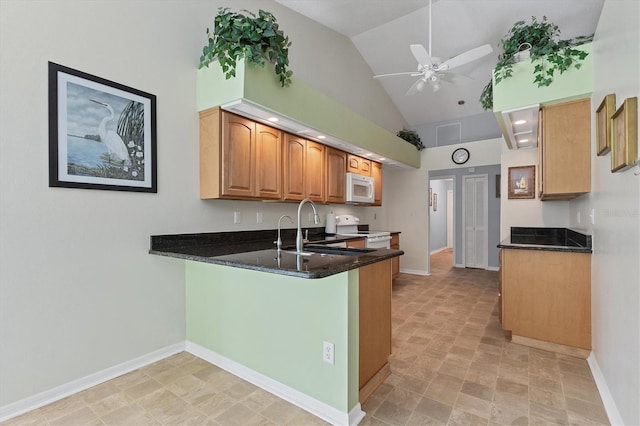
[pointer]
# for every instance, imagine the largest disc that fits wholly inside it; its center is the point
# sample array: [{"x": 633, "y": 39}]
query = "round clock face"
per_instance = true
[{"x": 460, "y": 156}]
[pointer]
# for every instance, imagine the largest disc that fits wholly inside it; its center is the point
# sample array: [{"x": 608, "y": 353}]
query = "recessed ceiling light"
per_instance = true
[
  {"x": 520, "y": 122},
  {"x": 368, "y": 154},
  {"x": 382, "y": 158},
  {"x": 321, "y": 136},
  {"x": 272, "y": 119},
  {"x": 523, "y": 140}
]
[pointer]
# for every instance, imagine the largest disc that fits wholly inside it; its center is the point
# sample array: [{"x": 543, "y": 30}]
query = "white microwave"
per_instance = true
[{"x": 360, "y": 189}]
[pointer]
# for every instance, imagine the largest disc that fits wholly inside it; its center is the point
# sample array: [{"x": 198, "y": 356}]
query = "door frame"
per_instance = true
[
  {"x": 453, "y": 179},
  {"x": 485, "y": 263}
]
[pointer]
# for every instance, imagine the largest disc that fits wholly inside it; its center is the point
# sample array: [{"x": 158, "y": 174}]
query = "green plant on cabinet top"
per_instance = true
[
  {"x": 547, "y": 52},
  {"x": 256, "y": 38}
]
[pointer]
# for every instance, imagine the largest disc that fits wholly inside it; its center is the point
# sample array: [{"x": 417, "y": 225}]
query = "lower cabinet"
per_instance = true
[
  {"x": 375, "y": 326},
  {"x": 395, "y": 262},
  {"x": 546, "y": 299},
  {"x": 358, "y": 243}
]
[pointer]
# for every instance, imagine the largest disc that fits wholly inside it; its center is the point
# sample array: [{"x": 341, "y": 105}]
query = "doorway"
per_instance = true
[{"x": 442, "y": 216}]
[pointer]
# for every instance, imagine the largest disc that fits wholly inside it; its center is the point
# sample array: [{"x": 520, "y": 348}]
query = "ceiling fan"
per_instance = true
[{"x": 432, "y": 70}]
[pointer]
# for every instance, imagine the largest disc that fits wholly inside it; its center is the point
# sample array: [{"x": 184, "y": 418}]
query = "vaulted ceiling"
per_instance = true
[{"x": 382, "y": 31}]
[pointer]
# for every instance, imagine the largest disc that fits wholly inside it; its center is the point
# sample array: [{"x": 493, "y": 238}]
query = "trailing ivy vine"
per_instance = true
[{"x": 259, "y": 39}]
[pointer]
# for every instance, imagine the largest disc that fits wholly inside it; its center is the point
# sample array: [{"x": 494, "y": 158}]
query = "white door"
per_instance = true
[
  {"x": 475, "y": 197},
  {"x": 450, "y": 219}
]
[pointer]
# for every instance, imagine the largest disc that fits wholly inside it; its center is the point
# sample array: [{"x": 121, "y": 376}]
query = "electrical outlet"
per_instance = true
[
  {"x": 259, "y": 217},
  {"x": 237, "y": 217},
  {"x": 327, "y": 352}
]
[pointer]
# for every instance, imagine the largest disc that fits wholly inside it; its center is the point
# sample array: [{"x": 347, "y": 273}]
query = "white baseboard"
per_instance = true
[
  {"x": 17, "y": 408},
  {"x": 493, "y": 268},
  {"x": 607, "y": 399},
  {"x": 414, "y": 271},
  {"x": 307, "y": 403},
  {"x": 458, "y": 265}
]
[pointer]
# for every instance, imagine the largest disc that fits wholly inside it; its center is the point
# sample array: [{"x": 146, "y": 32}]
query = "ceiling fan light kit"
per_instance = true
[{"x": 432, "y": 70}]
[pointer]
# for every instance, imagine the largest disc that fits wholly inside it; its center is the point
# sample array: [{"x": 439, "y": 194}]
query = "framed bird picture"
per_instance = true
[{"x": 102, "y": 135}]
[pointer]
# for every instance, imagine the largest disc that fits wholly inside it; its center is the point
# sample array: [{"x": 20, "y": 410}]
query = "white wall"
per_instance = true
[
  {"x": 78, "y": 291},
  {"x": 527, "y": 212},
  {"x": 409, "y": 189},
  {"x": 615, "y": 199}
]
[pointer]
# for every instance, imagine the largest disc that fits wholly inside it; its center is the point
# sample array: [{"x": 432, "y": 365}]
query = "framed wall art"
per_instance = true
[
  {"x": 603, "y": 123},
  {"x": 102, "y": 135},
  {"x": 624, "y": 135},
  {"x": 522, "y": 182}
]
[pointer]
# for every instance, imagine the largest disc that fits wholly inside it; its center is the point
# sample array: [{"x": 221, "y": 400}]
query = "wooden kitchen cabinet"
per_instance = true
[
  {"x": 239, "y": 159},
  {"x": 359, "y": 165},
  {"x": 303, "y": 169},
  {"x": 374, "y": 326},
  {"x": 335, "y": 163},
  {"x": 565, "y": 150},
  {"x": 546, "y": 299},
  {"x": 376, "y": 173},
  {"x": 395, "y": 261},
  {"x": 358, "y": 243}
]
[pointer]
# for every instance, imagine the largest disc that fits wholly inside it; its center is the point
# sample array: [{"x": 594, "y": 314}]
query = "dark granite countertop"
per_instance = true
[
  {"x": 256, "y": 250},
  {"x": 551, "y": 239}
]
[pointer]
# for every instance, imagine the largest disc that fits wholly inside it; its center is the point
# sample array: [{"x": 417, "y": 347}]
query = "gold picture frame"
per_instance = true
[
  {"x": 624, "y": 135},
  {"x": 603, "y": 123},
  {"x": 522, "y": 182}
]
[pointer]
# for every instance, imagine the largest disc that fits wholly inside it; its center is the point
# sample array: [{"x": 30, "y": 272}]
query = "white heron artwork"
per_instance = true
[{"x": 113, "y": 142}]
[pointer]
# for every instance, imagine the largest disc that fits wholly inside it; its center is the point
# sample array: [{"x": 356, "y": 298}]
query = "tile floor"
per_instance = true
[{"x": 450, "y": 365}]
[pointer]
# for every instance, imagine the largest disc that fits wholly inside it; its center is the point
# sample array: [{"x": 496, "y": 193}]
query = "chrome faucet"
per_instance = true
[
  {"x": 279, "y": 241},
  {"x": 316, "y": 220}
]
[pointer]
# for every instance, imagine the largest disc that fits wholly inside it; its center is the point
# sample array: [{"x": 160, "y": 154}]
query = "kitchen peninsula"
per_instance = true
[{"x": 301, "y": 327}]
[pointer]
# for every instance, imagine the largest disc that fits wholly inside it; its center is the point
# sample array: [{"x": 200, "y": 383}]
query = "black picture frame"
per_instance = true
[{"x": 102, "y": 134}]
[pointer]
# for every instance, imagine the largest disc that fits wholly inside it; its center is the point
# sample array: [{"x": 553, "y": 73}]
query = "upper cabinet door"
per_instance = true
[
  {"x": 268, "y": 168},
  {"x": 358, "y": 165},
  {"x": 294, "y": 176},
  {"x": 238, "y": 156},
  {"x": 336, "y": 164},
  {"x": 566, "y": 150},
  {"x": 376, "y": 173},
  {"x": 315, "y": 172}
]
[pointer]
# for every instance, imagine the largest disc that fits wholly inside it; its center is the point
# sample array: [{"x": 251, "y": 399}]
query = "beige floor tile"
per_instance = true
[
  {"x": 461, "y": 418},
  {"x": 472, "y": 405}
]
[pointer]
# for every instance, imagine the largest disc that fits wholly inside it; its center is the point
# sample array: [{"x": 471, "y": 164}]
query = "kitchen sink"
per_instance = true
[{"x": 328, "y": 250}]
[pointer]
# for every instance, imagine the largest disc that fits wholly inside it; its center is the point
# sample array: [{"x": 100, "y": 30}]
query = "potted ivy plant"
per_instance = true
[
  {"x": 548, "y": 53},
  {"x": 412, "y": 137},
  {"x": 258, "y": 39}
]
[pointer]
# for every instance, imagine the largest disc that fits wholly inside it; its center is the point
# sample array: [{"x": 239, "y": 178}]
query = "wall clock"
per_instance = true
[{"x": 460, "y": 156}]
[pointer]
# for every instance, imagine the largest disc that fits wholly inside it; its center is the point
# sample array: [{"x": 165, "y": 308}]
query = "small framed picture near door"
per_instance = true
[
  {"x": 102, "y": 134},
  {"x": 522, "y": 182}
]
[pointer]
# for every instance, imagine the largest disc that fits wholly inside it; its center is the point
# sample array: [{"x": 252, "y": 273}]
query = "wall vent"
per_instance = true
[{"x": 449, "y": 134}]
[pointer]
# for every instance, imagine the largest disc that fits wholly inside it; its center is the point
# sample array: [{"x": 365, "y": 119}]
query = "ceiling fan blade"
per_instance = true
[
  {"x": 416, "y": 87},
  {"x": 421, "y": 55},
  {"x": 454, "y": 78},
  {"x": 466, "y": 57},
  {"x": 411, "y": 73}
]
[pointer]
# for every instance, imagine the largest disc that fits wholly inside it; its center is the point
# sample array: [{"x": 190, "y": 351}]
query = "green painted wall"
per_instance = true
[
  {"x": 275, "y": 325},
  {"x": 304, "y": 104},
  {"x": 519, "y": 90}
]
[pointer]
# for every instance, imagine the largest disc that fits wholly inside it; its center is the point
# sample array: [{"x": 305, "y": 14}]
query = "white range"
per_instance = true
[{"x": 348, "y": 225}]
